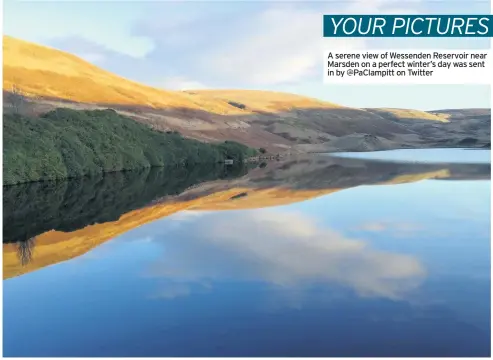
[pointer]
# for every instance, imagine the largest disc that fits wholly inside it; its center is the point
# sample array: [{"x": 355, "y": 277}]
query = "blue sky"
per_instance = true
[{"x": 269, "y": 45}]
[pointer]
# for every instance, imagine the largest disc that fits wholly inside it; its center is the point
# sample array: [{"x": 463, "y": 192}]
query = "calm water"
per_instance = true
[
  {"x": 425, "y": 155},
  {"x": 392, "y": 267}
]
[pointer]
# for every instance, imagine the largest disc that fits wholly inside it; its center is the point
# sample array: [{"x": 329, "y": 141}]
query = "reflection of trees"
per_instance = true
[
  {"x": 34, "y": 208},
  {"x": 25, "y": 250}
]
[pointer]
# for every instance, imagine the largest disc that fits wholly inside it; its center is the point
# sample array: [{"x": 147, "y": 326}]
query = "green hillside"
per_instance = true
[{"x": 67, "y": 143}]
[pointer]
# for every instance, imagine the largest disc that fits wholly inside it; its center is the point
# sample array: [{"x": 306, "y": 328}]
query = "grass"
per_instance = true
[
  {"x": 414, "y": 114},
  {"x": 46, "y": 72}
]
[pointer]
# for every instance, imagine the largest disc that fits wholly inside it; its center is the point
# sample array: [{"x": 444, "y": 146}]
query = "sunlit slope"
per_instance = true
[
  {"x": 268, "y": 101},
  {"x": 410, "y": 114},
  {"x": 45, "y": 72},
  {"x": 55, "y": 246}
]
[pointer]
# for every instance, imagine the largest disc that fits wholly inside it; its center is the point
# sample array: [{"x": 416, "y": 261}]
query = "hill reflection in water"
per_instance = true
[{"x": 49, "y": 222}]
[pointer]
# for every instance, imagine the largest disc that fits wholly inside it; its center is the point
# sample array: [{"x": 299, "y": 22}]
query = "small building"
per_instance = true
[{"x": 228, "y": 162}]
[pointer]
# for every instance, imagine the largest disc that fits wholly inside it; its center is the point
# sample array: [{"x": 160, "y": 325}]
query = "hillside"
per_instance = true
[
  {"x": 408, "y": 114},
  {"x": 463, "y": 114},
  {"x": 280, "y": 122},
  {"x": 51, "y": 78},
  {"x": 45, "y": 72}
]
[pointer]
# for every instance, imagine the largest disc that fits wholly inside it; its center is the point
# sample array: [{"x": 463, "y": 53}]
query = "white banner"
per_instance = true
[{"x": 407, "y": 67}]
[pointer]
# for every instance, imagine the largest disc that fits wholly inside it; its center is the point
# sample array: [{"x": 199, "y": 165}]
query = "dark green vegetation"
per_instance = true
[
  {"x": 34, "y": 208},
  {"x": 67, "y": 143},
  {"x": 237, "y": 104}
]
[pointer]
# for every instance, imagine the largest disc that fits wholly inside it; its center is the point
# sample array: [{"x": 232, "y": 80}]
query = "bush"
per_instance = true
[{"x": 237, "y": 105}]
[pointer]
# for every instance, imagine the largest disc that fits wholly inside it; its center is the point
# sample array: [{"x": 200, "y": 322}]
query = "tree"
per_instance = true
[
  {"x": 15, "y": 98},
  {"x": 262, "y": 150}
]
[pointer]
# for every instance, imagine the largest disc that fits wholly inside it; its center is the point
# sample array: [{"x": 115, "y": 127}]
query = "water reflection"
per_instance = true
[
  {"x": 34, "y": 208},
  {"x": 284, "y": 248},
  {"x": 25, "y": 250},
  {"x": 67, "y": 219}
]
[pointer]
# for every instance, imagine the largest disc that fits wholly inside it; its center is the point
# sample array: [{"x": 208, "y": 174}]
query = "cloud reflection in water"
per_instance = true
[{"x": 283, "y": 248}]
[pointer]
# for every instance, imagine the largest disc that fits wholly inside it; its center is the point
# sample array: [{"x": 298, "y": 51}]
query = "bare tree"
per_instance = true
[{"x": 16, "y": 99}]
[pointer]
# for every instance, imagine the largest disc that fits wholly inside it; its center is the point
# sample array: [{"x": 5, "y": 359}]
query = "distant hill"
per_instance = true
[
  {"x": 49, "y": 78},
  {"x": 462, "y": 114},
  {"x": 407, "y": 114}
]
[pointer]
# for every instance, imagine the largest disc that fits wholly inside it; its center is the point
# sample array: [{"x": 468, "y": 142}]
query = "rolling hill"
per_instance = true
[{"x": 49, "y": 78}]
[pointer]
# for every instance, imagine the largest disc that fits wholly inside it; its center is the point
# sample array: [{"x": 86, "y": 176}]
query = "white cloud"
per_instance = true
[{"x": 284, "y": 43}]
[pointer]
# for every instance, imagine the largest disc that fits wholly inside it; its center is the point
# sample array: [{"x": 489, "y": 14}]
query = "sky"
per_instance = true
[{"x": 264, "y": 45}]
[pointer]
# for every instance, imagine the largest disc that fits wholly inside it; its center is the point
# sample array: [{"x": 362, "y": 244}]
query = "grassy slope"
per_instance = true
[
  {"x": 68, "y": 143},
  {"x": 400, "y": 114},
  {"x": 41, "y": 71},
  {"x": 268, "y": 101}
]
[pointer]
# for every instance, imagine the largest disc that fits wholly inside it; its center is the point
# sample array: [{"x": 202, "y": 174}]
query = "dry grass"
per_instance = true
[
  {"x": 268, "y": 101},
  {"x": 414, "y": 114},
  {"x": 45, "y": 72}
]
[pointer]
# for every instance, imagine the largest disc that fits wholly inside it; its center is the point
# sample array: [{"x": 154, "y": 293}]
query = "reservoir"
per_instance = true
[{"x": 361, "y": 254}]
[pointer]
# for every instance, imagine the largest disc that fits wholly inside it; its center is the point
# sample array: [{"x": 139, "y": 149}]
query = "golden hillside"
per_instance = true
[
  {"x": 268, "y": 101},
  {"x": 45, "y": 72},
  {"x": 411, "y": 114}
]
